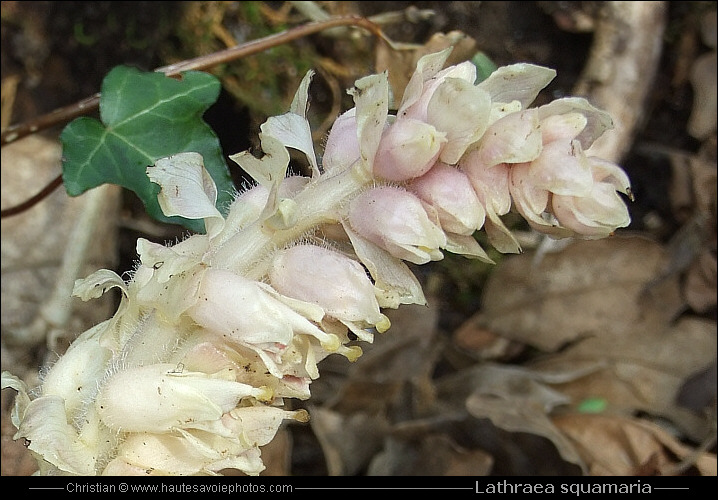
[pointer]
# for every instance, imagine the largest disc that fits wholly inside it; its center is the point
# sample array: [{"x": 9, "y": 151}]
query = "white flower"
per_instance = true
[
  {"x": 162, "y": 397},
  {"x": 242, "y": 311}
]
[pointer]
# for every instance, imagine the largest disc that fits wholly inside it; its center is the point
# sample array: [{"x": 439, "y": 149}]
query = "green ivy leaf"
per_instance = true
[
  {"x": 484, "y": 66},
  {"x": 145, "y": 116}
]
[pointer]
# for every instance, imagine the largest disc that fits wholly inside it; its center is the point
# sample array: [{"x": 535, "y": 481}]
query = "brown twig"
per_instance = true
[
  {"x": 88, "y": 104},
  {"x": 54, "y": 184}
]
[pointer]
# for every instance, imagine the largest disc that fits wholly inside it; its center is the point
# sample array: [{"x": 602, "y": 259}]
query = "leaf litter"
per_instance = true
[
  {"x": 624, "y": 322},
  {"x": 595, "y": 331}
]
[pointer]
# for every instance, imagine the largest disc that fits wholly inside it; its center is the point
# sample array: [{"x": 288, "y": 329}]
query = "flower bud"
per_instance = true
[
  {"x": 601, "y": 211},
  {"x": 183, "y": 453},
  {"x": 449, "y": 191},
  {"x": 462, "y": 111},
  {"x": 408, "y": 149},
  {"x": 566, "y": 126},
  {"x": 342, "y": 147},
  {"x": 562, "y": 168},
  {"x": 515, "y": 138},
  {"x": 249, "y": 205},
  {"x": 491, "y": 185},
  {"x": 395, "y": 220},
  {"x": 425, "y": 82},
  {"x": 241, "y": 311},
  {"x": 336, "y": 283}
]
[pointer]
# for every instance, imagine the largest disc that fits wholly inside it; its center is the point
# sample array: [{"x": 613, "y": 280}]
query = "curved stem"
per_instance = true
[
  {"x": 25, "y": 205},
  {"x": 320, "y": 202}
]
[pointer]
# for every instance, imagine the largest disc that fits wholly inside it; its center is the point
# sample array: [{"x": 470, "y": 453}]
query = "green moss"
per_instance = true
[{"x": 265, "y": 82}]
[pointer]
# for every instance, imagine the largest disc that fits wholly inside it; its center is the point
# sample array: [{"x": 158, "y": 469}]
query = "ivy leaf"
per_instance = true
[
  {"x": 484, "y": 66},
  {"x": 145, "y": 116}
]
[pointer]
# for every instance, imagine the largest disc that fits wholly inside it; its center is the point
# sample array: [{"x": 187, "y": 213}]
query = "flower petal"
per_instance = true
[
  {"x": 187, "y": 189},
  {"x": 597, "y": 121},
  {"x": 395, "y": 282},
  {"x": 517, "y": 82},
  {"x": 371, "y": 96}
]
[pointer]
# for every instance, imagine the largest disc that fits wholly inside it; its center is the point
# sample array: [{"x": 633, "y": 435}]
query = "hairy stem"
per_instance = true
[{"x": 320, "y": 202}]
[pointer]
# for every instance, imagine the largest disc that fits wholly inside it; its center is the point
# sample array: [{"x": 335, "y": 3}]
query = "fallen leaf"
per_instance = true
[
  {"x": 401, "y": 63},
  {"x": 702, "y": 122},
  {"x": 513, "y": 398},
  {"x": 432, "y": 455},
  {"x": 390, "y": 382},
  {"x": 642, "y": 370},
  {"x": 349, "y": 441},
  {"x": 612, "y": 445},
  {"x": 576, "y": 293},
  {"x": 700, "y": 285},
  {"x": 607, "y": 308}
]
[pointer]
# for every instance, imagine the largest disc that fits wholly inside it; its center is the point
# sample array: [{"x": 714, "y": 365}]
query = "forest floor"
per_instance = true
[{"x": 588, "y": 358}]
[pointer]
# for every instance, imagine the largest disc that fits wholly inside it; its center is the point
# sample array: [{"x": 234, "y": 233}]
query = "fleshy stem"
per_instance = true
[{"x": 249, "y": 251}]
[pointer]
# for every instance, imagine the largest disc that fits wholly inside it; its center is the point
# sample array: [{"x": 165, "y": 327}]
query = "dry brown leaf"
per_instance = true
[
  {"x": 407, "y": 352},
  {"x": 348, "y": 441},
  {"x": 642, "y": 370},
  {"x": 582, "y": 291},
  {"x": 432, "y": 455},
  {"x": 621, "y": 446},
  {"x": 402, "y": 63},
  {"x": 693, "y": 190},
  {"x": 702, "y": 122},
  {"x": 693, "y": 196},
  {"x": 607, "y": 304},
  {"x": 701, "y": 285},
  {"x": 390, "y": 381},
  {"x": 513, "y": 398},
  {"x": 485, "y": 344},
  {"x": 277, "y": 454}
]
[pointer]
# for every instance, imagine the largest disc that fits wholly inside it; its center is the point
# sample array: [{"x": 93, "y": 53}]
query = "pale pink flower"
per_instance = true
[
  {"x": 342, "y": 147},
  {"x": 448, "y": 191},
  {"x": 601, "y": 211},
  {"x": 333, "y": 281},
  {"x": 395, "y": 220},
  {"x": 563, "y": 192},
  {"x": 408, "y": 149}
]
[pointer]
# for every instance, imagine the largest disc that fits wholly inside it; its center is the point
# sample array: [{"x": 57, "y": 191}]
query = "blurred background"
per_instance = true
[{"x": 572, "y": 358}]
